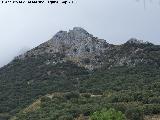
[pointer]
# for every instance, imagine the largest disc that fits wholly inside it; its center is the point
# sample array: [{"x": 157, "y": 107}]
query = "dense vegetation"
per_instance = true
[
  {"x": 139, "y": 95},
  {"x": 22, "y": 81},
  {"x": 132, "y": 89},
  {"x": 72, "y": 105},
  {"x": 110, "y": 114},
  {"x": 75, "y": 106}
]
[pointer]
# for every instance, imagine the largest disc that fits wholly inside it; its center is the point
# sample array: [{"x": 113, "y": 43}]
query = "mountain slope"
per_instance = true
[{"x": 78, "y": 61}]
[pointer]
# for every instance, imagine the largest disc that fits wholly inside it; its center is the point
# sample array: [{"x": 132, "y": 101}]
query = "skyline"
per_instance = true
[{"x": 25, "y": 27}]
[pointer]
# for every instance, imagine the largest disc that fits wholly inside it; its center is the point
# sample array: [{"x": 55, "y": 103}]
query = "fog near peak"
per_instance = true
[{"x": 116, "y": 21}]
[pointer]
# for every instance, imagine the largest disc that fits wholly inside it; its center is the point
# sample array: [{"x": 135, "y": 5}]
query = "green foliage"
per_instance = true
[
  {"x": 71, "y": 95},
  {"x": 110, "y": 114},
  {"x": 59, "y": 107},
  {"x": 134, "y": 114},
  {"x": 86, "y": 95},
  {"x": 25, "y": 80}
]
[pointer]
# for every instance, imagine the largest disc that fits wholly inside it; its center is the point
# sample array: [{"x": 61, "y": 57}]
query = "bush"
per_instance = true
[
  {"x": 45, "y": 99},
  {"x": 71, "y": 95},
  {"x": 134, "y": 114},
  {"x": 65, "y": 117},
  {"x": 152, "y": 109},
  {"x": 155, "y": 100},
  {"x": 110, "y": 114},
  {"x": 86, "y": 95}
]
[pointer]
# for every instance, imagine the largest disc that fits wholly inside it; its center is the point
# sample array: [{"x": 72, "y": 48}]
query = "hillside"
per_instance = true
[{"x": 77, "y": 61}]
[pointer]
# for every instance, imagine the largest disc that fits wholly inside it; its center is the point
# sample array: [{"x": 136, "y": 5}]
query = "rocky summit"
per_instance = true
[
  {"x": 82, "y": 48},
  {"x": 77, "y": 45}
]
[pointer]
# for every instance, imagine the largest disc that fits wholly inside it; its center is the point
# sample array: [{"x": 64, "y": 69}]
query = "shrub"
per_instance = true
[
  {"x": 71, "y": 95},
  {"x": 66, "y": 117},
  {"x": 86, "y": 95},
  {"x": 134, "y": 114},
  {"x": 110, "y": 114}
]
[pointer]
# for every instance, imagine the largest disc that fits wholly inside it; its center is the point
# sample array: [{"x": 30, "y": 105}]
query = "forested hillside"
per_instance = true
[{"x": 87, "y": 74}]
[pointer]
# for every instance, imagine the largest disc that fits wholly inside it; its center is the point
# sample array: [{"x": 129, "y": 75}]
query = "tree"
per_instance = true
[
  {"x": 110, "y": 114},
  {"x": 134, "y": 113}
]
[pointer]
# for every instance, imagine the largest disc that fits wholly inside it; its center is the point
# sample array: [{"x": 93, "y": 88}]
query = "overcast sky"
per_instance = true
[{"x": 25, "y": 26}]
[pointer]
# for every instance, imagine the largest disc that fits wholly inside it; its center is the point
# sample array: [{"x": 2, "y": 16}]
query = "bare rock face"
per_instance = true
[{"x": 77, "y": 45}]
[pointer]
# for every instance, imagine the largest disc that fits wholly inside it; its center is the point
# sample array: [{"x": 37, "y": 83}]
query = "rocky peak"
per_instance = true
[
  {"x": 77, "y": 42},
  {"x": 80, "y": 33},
  {"x": 136, "y": 41},
  {"x": 79, "y": 30},
  {"x": 61, "y": 35},
  {"x": 76, "y": 34},
  {"x": 77, "y": 45},
  {"x": 82, "y": 48}
]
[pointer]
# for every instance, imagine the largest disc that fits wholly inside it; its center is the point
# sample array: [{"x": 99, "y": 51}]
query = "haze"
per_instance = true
[{"x": 23, "y": 27}]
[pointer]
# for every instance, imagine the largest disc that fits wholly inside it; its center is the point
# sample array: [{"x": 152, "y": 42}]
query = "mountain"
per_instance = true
[
  {"x": 90, "y": 52},
  {"x": 77, "y": 45},
  {"x": 76, "y": 61}
]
